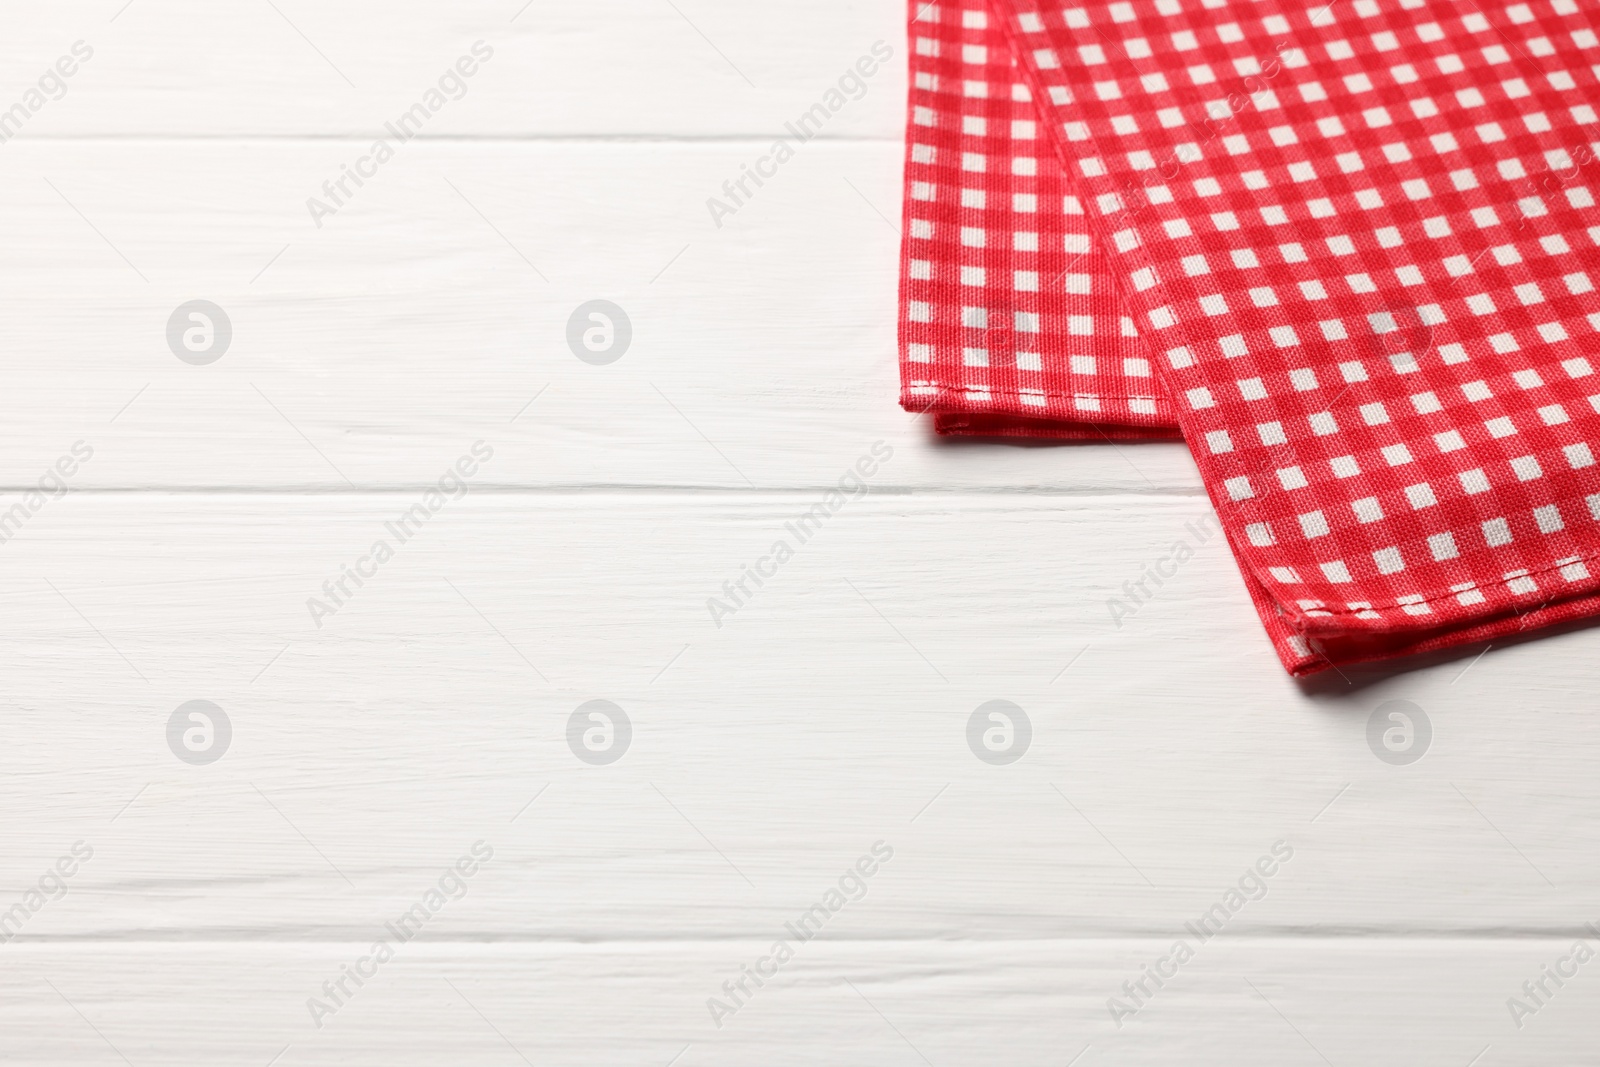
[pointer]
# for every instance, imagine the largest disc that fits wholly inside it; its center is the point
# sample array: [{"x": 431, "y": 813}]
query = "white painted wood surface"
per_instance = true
[{"x": 827, "y": 713}]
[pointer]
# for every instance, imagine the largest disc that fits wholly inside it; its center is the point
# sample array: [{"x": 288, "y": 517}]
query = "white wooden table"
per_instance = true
[{"x": 374, "y": 744}]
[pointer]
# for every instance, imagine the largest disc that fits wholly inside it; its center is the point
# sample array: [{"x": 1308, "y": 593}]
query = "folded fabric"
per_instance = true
[{"x": 1341, "y": 249}]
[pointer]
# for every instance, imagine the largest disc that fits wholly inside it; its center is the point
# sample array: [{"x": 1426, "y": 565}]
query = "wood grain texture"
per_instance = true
[
  {"x": 1434, "y": 1003},
  {"x": 432, "y": 311},
  {"x": 608, "y": 68},
  {"x": 829, "y": 710}
]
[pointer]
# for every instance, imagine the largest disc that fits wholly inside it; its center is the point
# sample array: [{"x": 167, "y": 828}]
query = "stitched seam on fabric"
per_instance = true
[
  {"x": 1583, "y": 587},
  {"x": 1016, "y": 395}
]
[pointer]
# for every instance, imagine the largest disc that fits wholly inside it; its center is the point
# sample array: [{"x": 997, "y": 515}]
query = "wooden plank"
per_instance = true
[
  {"x": 433, "y": 310},
  {"x": 1244, "y": 1001},
  {"x": 609, "y": 68},
  {"x": 829, "y": 711}
]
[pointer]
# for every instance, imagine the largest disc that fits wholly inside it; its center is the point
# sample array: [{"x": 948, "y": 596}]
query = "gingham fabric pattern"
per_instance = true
[
  {"x": 1012, "y": 321},
  {"x": 1355, "y": 243}
]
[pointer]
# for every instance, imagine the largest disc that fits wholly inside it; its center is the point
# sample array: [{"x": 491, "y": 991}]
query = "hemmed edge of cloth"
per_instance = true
[
  {"x": 948, "y": 402},
  {"x": 1305, "y": 654},
  {"x": 969, "y": 424}
]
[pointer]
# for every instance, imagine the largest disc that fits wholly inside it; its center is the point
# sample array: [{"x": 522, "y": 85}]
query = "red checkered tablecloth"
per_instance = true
[{"x": 1348, "y": 252}]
